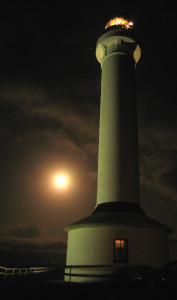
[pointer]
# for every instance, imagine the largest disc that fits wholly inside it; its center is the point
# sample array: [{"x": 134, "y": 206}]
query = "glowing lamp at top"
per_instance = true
[{"x": 119, "y": 22}]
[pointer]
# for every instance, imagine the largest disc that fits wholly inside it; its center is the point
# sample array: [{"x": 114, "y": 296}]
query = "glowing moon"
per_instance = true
[{"x": 61, "y": 181}]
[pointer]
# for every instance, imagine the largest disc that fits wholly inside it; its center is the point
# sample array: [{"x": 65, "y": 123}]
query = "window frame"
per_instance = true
[{"x": 121, "y": 251}]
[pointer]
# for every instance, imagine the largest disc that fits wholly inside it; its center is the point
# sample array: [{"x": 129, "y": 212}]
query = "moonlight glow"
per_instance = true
[{"x": 60, "y": 181}]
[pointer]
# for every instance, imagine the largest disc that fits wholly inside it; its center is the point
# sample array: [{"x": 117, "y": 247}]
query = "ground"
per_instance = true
[{"x": 48, "y": 286}]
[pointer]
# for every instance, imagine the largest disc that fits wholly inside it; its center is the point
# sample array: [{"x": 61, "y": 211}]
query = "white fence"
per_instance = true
[{"x": 24, "y": 271}]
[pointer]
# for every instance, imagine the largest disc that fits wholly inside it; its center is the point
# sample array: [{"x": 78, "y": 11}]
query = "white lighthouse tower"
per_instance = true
[{"x": 117, "y": 233}]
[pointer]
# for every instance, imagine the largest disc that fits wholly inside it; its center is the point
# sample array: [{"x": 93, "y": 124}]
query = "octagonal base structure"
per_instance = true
[{"x": 101, "y": 244}]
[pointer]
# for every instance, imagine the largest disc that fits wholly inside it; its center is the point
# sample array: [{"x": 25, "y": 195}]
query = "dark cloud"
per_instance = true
[
  {"x": 93, "y": 175},
  {"x": 28, "y": 115},
  {"x": 29, "y": 245},
  {"x": 158, "y": 158},
  {"x": 45, "y": 137},
  {"x": 169, "y": 180},
  {"x": 158, "y": 171},
  {"x": 29, "y": 231}
]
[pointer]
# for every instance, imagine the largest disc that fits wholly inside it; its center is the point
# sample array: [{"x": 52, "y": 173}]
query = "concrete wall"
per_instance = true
[
  {"x": 95, "y": 246},
  {"x": 118, "y": 178}
]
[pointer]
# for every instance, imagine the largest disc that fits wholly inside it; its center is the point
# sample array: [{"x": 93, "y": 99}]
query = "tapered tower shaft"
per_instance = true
[{"x": 118, "y": 169}]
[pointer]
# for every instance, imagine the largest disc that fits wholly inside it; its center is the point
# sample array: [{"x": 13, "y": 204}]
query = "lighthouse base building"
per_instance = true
[{"x": 114, "y": 236}]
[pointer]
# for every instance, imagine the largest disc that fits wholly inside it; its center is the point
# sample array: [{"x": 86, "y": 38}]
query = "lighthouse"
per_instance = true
[{"x": 117, "y": 233}]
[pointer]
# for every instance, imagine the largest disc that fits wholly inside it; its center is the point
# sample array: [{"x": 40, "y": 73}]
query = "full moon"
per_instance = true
[{"x": 61, "y": 181}]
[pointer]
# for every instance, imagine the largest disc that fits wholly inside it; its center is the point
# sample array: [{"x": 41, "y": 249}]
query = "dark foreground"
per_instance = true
[{"x": 51, "y": 285}]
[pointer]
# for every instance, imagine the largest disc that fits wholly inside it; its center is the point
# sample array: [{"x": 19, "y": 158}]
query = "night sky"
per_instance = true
[{"x": 49, "y": 106}]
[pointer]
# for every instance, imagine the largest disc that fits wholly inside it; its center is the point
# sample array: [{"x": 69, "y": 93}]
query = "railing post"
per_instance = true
[{"x": 70, "y": 273}]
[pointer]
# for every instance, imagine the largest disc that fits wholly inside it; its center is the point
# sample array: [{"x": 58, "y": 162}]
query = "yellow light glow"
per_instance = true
[
  {"x": 61, "y": 181},
  {"x": 119, "y": 243},
  {"x": 119, "y": 22}
]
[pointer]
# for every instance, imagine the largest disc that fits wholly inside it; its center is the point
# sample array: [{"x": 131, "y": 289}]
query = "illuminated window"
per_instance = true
[{"x": 120, "y": 250}]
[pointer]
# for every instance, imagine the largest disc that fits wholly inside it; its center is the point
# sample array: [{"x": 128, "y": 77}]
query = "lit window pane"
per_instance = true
[{"x": 121, "y": 250}]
